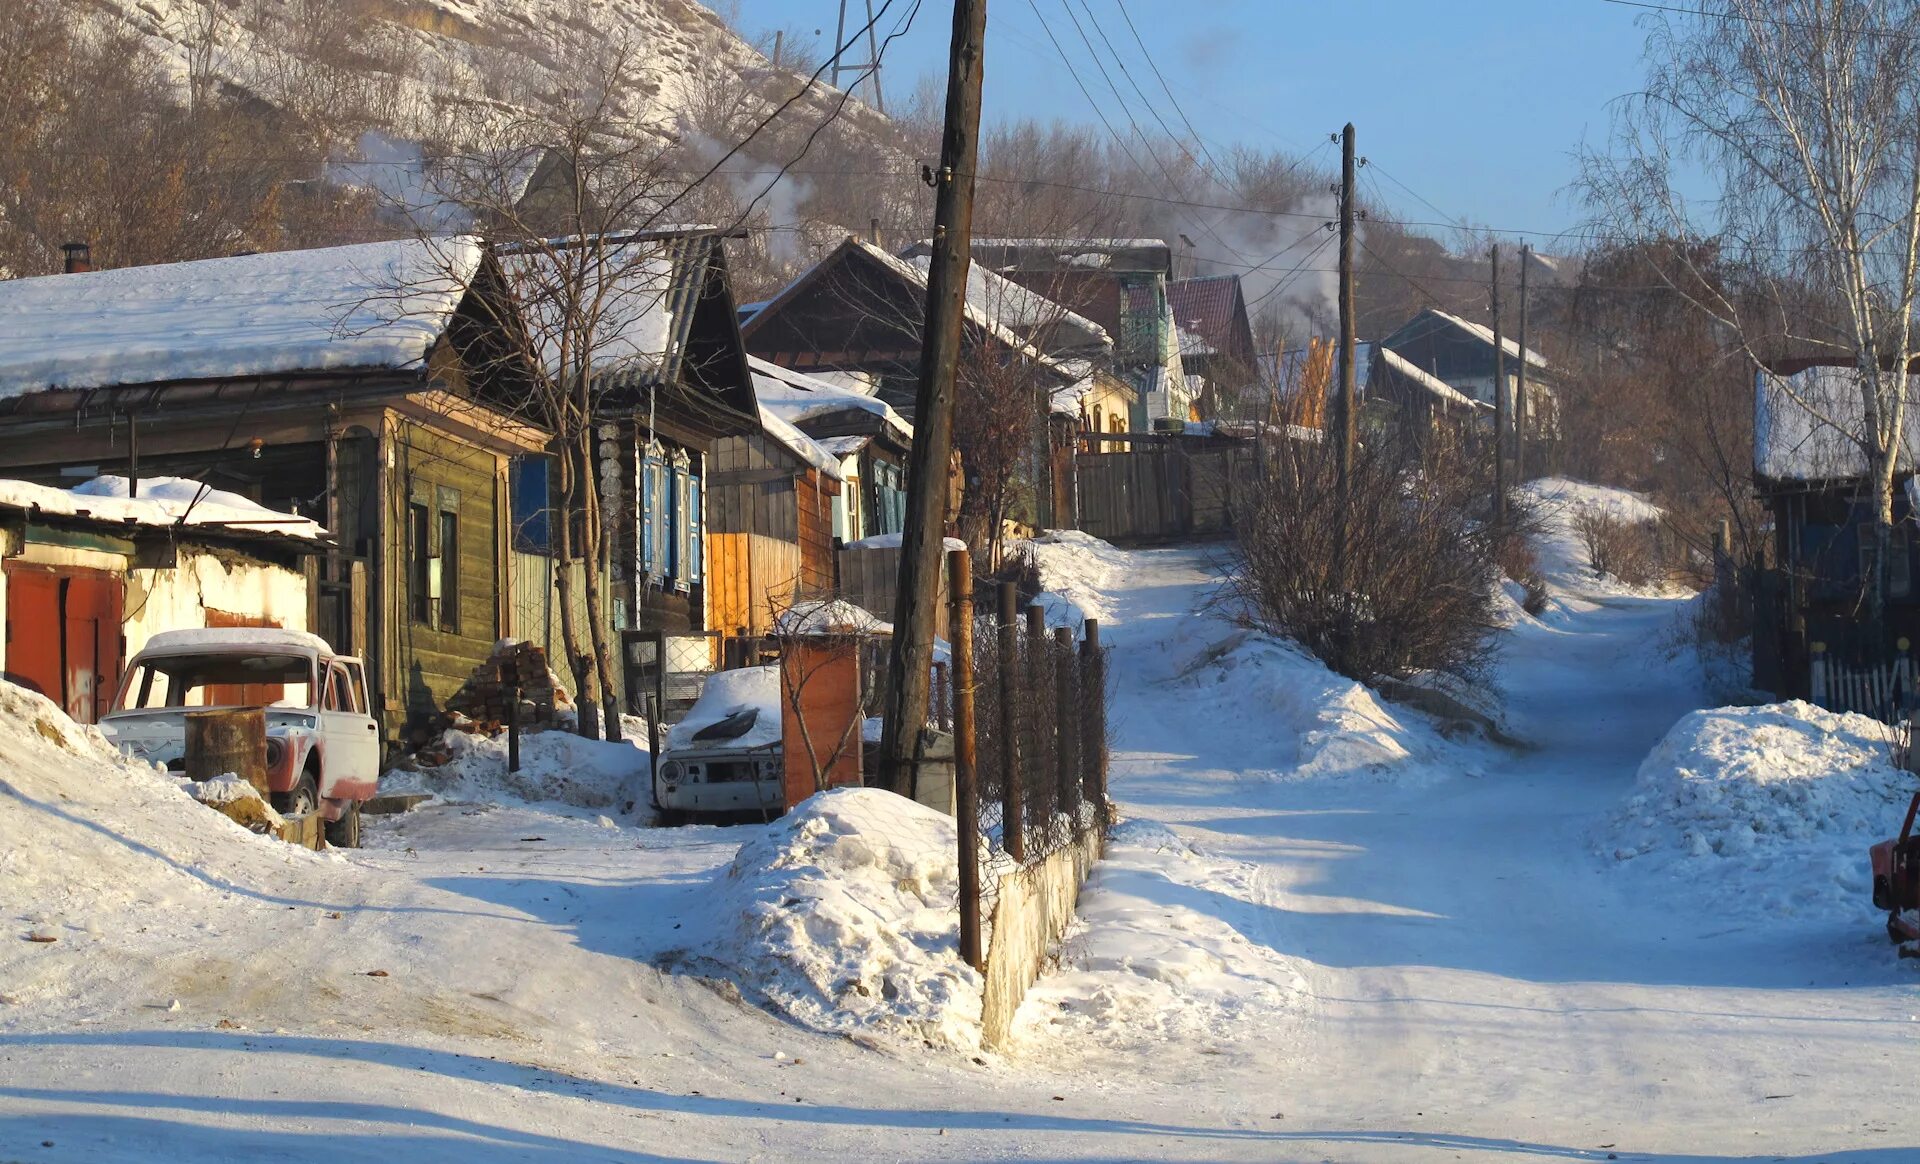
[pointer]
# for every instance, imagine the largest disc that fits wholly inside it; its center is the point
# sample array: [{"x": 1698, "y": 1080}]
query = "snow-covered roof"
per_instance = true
[
  {"x": 163, "y": 502},
  {"x": 1807, "y": 426},
  {"x": 797, "y": 397},
  {"x": 371, "y": 306},
  {"x": 800, "y": 444},
  {"x": 988, "y": 306},
  {"x": 622, "y": 305},
  {"x": 1507, "y": 343},
  {"x": 844, "y": 446},
  {"x": 831, "y": 616},
  {"x": 1026, "y": 311},
  {"x": 1434, "y": 386}
]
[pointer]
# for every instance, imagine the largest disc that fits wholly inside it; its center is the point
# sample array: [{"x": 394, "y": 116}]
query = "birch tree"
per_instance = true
[{"x": 1803, "y": 116}]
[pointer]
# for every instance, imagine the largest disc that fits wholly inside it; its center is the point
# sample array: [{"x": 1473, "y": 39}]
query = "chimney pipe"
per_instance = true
[
  {"x": 873, "y": 228},
  {"x": 79, "y": 257}
]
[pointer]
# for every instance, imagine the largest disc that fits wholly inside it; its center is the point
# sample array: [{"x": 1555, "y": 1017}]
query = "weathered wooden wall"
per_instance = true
[
  {"x": 1158, "y": 492},
  {"x": 870, "y": 578},
  {"x": 769, "y": 532},
  {"x": 424, "y": 664}
]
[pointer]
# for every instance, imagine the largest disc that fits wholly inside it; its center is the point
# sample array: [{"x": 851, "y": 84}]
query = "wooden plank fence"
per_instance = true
[
  {"x": 1881, "y": 691},
  {"x": 1159, "y": 492}
]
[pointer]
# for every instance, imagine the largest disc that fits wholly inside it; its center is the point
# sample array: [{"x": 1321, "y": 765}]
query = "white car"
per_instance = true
[
  {"x": 323, "y": 743},
  {"x": 724, "y": 758}
]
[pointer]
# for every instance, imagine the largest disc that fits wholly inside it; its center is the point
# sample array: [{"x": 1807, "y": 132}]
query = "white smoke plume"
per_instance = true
[{"x": 1286, "y": 261}]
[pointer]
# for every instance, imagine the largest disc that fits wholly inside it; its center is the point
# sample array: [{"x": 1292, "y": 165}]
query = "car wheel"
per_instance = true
[
  {"x": 303, "y": 799},
  {"x": 345, "y": 832}
]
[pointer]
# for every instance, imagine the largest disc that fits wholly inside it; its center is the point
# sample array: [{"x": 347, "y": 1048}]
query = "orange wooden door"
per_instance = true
[
  {"x": 90, "y": 624},
  {"x": 33, "y": 630}
]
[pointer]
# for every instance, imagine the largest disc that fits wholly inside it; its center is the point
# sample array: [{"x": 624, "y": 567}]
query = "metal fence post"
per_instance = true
[
  {"x": 1013, "y": 818},
  {"x": 966, "y": 783}
]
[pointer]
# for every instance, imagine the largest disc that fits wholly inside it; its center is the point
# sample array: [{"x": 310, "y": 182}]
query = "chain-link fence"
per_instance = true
[{"x": 1040, "y": 725}]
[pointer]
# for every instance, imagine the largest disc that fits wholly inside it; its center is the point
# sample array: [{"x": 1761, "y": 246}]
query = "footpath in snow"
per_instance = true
[{"x": 1326, "y": 929}]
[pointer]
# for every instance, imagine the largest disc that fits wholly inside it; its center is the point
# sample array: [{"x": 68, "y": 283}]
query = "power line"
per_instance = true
[{"x": 1218, "y": 170}]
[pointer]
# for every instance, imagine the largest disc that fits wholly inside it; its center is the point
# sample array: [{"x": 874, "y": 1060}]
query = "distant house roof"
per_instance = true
[
  {"x": 1213, "y": 311},
  {"x": 1432, "y": 317},
  {"x": 374, "y": 306},
  {"x": 1439, "y": 389},
  {"x": 1120, "y": 255},
  {"x": 995, "y": 305},
  {"x": 1807, "y": 425}
]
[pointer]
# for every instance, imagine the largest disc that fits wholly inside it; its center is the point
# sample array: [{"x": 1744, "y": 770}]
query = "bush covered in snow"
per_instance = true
[
  {"x": 843, "y": 915},
  {"x": 1770, "y": 807}
]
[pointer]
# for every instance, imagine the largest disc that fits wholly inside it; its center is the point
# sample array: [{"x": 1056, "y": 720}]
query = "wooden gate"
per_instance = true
[{"x": 1159, "y": 492}]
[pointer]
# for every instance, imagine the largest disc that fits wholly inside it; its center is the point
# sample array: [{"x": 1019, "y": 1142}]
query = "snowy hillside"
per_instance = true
[{"x": 479, "y": 53}]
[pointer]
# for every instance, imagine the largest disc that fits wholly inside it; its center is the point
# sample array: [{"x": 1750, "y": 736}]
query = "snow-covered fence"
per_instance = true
[{"x": 1882, "y": 691}]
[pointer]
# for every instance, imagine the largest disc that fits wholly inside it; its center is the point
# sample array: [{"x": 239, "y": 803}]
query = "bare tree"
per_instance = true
[{"x": 1805, "y": 114}]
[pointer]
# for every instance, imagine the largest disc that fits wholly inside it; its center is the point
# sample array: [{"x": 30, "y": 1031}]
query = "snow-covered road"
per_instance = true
[
  {"x": 1323, "y": 932},
  {"x": 1476, "y": 981}
]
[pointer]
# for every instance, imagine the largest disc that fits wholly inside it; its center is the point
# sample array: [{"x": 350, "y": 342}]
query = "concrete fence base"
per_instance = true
[{"x": 1034, "y": 907}]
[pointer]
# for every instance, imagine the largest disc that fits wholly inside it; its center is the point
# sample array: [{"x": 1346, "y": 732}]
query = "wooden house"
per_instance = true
[
  {"x": 365, "y": 387},
  {"x": 1121, "y": 286},
  {"x": 670, "y": 384},
  {"x": 770, "y": 503},
  {"x": 1460, "y": 354},
  {"x": 860, "y": 310},
  {"x": 870, "y": 439},
  {"x": 1810, "y": 472},
  {"x": 88, "y": 575},
  {"x": 1216, "y": 345}
]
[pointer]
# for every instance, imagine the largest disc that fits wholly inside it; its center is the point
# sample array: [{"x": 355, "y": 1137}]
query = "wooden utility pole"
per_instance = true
[
  {"x": 1499, "y": 403},
  {"x": 911, "y": 654},
  {"x": 1520, "y": 383},
  {"x": 1349, "y": 383}
]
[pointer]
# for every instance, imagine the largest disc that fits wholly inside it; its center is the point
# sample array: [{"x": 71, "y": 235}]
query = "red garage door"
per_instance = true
[{"x": 63, "y": 636}]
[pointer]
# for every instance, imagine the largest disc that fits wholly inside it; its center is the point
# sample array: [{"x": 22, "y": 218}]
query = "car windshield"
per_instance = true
[{"x": 219, "y": 680}]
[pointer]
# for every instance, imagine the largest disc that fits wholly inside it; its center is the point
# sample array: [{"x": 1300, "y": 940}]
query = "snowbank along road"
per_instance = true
[{"x": 1325, "y": 931}]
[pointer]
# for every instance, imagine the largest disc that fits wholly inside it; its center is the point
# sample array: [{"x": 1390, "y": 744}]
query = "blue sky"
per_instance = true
[{"x": 1478, "y": 105}]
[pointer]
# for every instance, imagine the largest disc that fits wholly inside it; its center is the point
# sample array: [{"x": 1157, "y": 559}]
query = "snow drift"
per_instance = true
[
  {"x": 842, "y": 915},
  {"x": 106, "y": 830},
  {"x": 556, "y": 767},
  {"x": 1766, "y": 809}
]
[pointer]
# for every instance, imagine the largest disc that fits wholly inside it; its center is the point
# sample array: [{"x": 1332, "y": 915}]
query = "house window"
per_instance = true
[
  {"x": 669, "y": 519},
  {"x": 532, "y": 507},
  {"x": 420, "y": 561},
  {"x": 449, "y": 566}
]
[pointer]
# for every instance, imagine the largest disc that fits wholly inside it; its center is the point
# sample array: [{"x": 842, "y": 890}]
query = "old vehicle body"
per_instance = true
[
  {"x": 724, "y": 758},
  {"x": 323, "y": 743}
]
